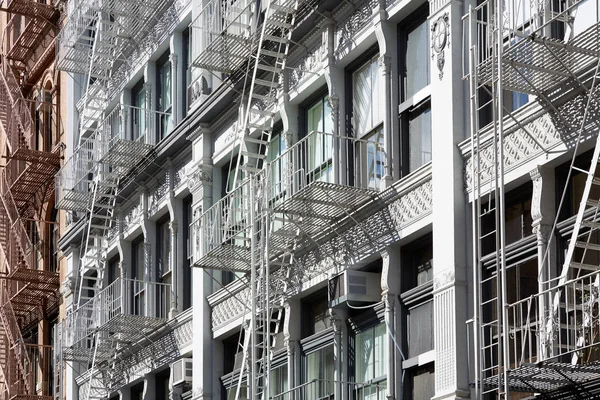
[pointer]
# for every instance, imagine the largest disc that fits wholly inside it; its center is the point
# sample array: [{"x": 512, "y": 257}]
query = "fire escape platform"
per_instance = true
[
  {"x": 40, "y": 172},
  {"x": 224, "y": 54},
  {"x": 314, "y": 209},
  {"x": 538, "y": 64},
  {"x": 31, "y": 8},
  {"x": 327, "y": 202},
  {"x": 125, "y": 153},
  {"x": 554, "y": 380},
  {"x": 28, "y": 40}
]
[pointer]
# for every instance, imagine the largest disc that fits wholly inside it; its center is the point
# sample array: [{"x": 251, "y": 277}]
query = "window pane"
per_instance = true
[
  {"x": 417, "y": 59},
  {"x": 361, "y": 100},
  {"x": 380, "y": 350},
  {"x": 377, "y": 94},
  {"x": 420, "y": 139}
]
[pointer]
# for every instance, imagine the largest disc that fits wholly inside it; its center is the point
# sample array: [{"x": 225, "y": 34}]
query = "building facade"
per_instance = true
[
  {"x": 32, "y": 148},
  {"x": 302, "y": 199}
]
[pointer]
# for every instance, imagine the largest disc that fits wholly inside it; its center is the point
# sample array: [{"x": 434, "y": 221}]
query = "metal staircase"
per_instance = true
[{"x": 540, "y": 344}]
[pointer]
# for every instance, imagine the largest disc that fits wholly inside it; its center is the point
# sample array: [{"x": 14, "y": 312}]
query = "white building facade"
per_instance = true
[{"x": 368, "y": 203}]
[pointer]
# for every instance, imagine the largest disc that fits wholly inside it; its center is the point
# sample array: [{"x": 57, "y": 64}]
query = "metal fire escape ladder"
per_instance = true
[
  {"x": 11, "y": 326},
  {"x": 267, "y": 62},
  {"x": 584, "y": 245},
  {"x": 266, "y": 313}
]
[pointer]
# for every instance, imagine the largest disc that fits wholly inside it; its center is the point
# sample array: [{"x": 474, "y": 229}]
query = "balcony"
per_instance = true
[
  {"x": 536, "y": 60},
  {"x": 125, "y": 311},
  {"x": 32, "y": 8},
  {"x": 118, "y": 26},
  {"x": 224, "y": 34},
  {"x": 553, "y": 340},
  {"x": 312, "y": 187},
  {"x": 119, "y": 142}
]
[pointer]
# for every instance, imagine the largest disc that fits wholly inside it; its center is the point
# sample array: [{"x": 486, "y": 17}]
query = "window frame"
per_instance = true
[
  {"x": 419, "y": 102},
  {"x": 138, "y": 118},
  {"x": 163, "y": 116}
]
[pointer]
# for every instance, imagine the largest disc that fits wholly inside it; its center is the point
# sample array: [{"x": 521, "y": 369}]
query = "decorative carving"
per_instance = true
[
  {"x": 134, "y": 216},
  {"x": 414, "y": 205},
  {"x": 443, "y": 279},
  {"x": 159, "y": 194},
  {"x": 346, "y": 30},
  {"x": 519, "y": 147},
  {"x": 310, "y": 63},
  {"x": 198, "y": 175},
  {"x": 440, "y": 37}
]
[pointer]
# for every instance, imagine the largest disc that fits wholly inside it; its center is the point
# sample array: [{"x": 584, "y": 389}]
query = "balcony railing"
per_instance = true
[
  {"x": 119, "y": 141},
  {"x": 560, "y": 324},
  {"x": 120, "y": 308},
  {"x": 319, "y": 159},
  {"x": 222, "y": 32},
  {"x": 320, "y": 389}
]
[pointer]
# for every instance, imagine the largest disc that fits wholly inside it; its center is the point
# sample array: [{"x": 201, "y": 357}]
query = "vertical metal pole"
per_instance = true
[
  {"x": 500, "y": 44},
  {"x": 475, "y": 203},
  {"x": 253, "y": 280},
  {"x": 267, "y": 302}
]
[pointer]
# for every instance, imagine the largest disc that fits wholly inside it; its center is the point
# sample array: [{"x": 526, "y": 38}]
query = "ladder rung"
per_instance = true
[
  {"x": 277, "y": 39},
  {"x": 254, "y": 155},
  {"x": 256, "y": 141},
  {"x": 269, "y": 68},
  {"x": 283, "y": 9},
  {"x": 588, "y": 267},
  {"x": 264, "y": 82},
  {"x": 271, "y": 53},
  {"x": 588, "y": 246},
  {"x": 278, "y": 23},
  {"x": 590, "y": 224}
]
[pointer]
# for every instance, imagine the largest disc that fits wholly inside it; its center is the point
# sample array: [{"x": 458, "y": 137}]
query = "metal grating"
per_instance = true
[
  {"x": 31, "y": 8},
  {"x": 537, "y": 64},
  {"x": 31, "y": 37}
]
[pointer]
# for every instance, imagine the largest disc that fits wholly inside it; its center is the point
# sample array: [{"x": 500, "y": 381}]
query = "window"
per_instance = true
[
  {"x": 419, "y": 136},
  {"x": 187, "y": 75},
  {"x": 517, "y": 216},
  {"x": 137, "y": 287},
  {"x": 319, "y": 367},
  {"x": 368, "y": 102},
  {"x": 417, "y": 296},
  {"x": 138, "y": 112},
  {"x": 164, "y": 268},
  {"x": 371, "y": 356},
  {"x": 279, "y": 383},
  {"x": 276, "y": 148},
  {"x": 315, "y": 313},
  {"x": 187, "y": 270},
  {"x": 420, "y": 383},
  {"x": 370, "y": 153},
  {"x": 164, "y": 97},
  {"x": 415, "y": 107},
  {"x": 417, "y": 59},
  {"x": 320, "y": 142}
]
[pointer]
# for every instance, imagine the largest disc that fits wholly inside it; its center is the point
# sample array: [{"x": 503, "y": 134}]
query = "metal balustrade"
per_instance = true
[
  {"x": 322, "y": 177},
  {"x": 127, "y": 308},
  {"x": 223, "y": 29},
  {"x": 318, "y": 389},
  {"x": 119, "y": 142}
]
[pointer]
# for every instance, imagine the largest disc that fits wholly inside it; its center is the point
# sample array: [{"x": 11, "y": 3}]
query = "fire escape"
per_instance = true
[
  {"x": 280, "y": 207},
  {"x": 545, "y": 344},
  {"x": 28, "y": 286},
  {"x": 107, "y": 317}
]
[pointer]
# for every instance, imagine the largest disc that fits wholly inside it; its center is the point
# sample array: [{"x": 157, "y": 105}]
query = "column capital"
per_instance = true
[
  {"x": 385, "y": 62},
  {"x": 173, "y": 59},
  {"x": 173, "y": 226}
]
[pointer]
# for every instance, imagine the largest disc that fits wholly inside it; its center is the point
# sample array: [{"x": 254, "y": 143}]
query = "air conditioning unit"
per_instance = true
[
  {"x": 182, "y": 371},
  {"x": 356, "y": 287}
]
